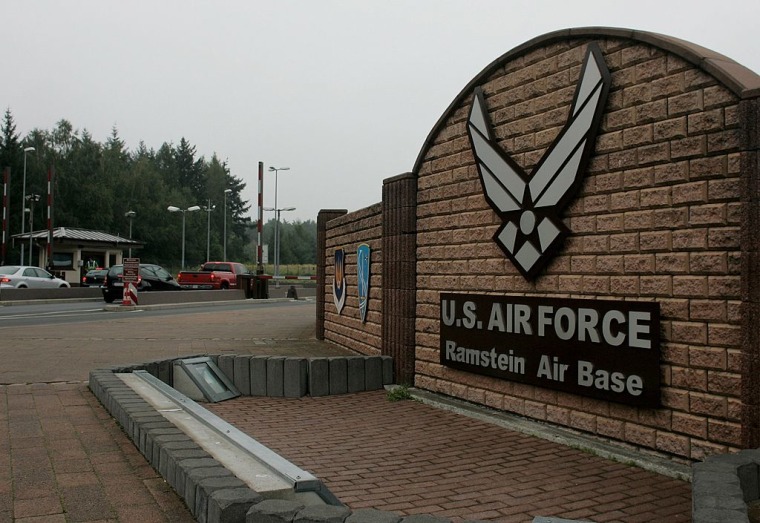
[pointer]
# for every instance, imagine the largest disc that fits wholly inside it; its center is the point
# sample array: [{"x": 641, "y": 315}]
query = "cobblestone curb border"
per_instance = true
[
  {"x": 722, "y": 486},
  {"x": 210, "y": 491}
]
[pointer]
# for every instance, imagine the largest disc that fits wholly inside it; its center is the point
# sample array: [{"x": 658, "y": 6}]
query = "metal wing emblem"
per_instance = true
[{"x": 531, "y": 205}]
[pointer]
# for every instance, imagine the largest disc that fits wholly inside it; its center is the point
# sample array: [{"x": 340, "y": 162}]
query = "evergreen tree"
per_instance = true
[
  {"x": 12, "y": 157},
  {"x": 10, "y": 146},
  {"x": 96, "y": 184},
  {"x": 298, "y": 241},
  {"x": 190, "y": 170}
]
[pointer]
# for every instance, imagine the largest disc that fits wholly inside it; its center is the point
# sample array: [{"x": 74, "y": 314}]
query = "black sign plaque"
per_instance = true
[{"x": 604, "y": 349}]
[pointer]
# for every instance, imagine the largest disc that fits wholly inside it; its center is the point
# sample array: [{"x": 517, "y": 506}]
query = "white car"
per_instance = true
[{"x": 26, "y": 277}]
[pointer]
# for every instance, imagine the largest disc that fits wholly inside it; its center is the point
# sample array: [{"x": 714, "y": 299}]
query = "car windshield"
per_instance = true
[{"x": 8, "y": 269}]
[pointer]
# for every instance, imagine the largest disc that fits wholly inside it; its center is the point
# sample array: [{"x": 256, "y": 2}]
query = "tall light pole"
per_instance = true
[
  {"x": 208, "y": 210},
  {"x": 277, "y": 241},
  {"x": 277, "y": 224},
  {"x": 131, "y": 215},
  {"x": 226, "y": 192},
  {"x": 172, "y": 208},
  {"x": 32, "y": 198},
  {"x": 23, "y": 198}
]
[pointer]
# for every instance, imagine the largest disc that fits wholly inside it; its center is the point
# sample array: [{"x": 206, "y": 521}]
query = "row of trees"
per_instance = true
[{"x": 96, "y": 184}]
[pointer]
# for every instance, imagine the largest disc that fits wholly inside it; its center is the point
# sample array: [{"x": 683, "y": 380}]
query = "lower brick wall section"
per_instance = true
[{"x": 210, "y": 491}]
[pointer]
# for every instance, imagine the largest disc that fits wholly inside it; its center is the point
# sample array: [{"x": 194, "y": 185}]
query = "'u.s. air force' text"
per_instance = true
[
  {"x": 584, "y": 324},
  {"x": 544, "y": 341}
]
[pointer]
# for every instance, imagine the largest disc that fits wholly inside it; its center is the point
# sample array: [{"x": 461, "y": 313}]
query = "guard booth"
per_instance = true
[{"x": 72, "y": 249}]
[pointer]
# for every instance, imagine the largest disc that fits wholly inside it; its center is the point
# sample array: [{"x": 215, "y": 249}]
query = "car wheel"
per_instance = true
[
  {"x": 225, "y": 286},
  {"x": 108, "y": 298}
]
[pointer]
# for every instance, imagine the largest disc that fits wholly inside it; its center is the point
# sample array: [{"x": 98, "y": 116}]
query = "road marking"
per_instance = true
[{"x": 52, "y": 313}]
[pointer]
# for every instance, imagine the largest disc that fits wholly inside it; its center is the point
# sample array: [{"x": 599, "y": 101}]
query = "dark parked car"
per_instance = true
[
  {"x": 94, "y": 278},
  {"x": 151, "y": 278}
]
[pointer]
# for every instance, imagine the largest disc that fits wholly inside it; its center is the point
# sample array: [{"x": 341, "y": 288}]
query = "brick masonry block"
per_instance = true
[
  {"x": 188, "y": 479},
  {"x": 295, "y": 380},
  {"x": 273, "y": 511},
  {"x": 322, "y": 514},
  {"x": 258, "y": 375},
  {"x": 275, "y": 376},
  {"x": 338, "y": 375},
  {"x": 231, "y": 505},
  {"x": 242, "y": 374},
  {"x": 206, "y": 487},
  {"x": 424, "y": 518},
  {"x": 373, "y": 373},
  {"x": 355, "y": 370},
  {"x": 166, "y": 371},
  {"x": 152, "y": 368},
  {"x": 319, "y": 377},
  {"x": 169, "y": 458},
  {"x": 226, "y": 363},
  {"x": 371, "y": 515},
  {"x": 171, "y": 453},
  {"x": 146, "y": 442}
]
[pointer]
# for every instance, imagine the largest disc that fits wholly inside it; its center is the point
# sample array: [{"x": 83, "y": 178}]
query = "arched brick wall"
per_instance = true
[{"x": 667, "y": 213}]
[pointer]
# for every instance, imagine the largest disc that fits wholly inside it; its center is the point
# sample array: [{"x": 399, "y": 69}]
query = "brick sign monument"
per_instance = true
[{"x": 576, "y": 243}]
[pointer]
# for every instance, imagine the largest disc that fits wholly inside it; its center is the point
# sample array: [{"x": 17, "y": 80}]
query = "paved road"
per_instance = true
[{"x": 64, "y": 353}]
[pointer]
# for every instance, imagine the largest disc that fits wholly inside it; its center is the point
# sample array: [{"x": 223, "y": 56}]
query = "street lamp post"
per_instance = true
[
  {"x": 23, "y": 198},
  {"x": 277, "y": 224},
  {"x": 277, "y": 241},
  {"x": 208, "y": 210},
  {"x": 32, "y": 198},
  {"x": 172, "y": 208},
  {"x": 131, "y": 215},
  {"x": 226, "y": 192}
]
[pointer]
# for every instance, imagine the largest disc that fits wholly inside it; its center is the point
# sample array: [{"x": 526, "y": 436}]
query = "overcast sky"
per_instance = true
[{"x": 342, "y": 92}]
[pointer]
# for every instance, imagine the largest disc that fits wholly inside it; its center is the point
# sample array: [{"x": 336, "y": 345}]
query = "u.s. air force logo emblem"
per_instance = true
[{"x": 530, "y": 205}]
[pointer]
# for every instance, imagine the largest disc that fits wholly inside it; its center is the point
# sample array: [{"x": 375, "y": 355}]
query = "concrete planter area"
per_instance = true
[{"x": 213, "y": 493}]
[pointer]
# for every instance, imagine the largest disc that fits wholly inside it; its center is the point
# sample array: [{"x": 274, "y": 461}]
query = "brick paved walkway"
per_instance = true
[
  {"x": 410, "y": 458},
  {"x": 63, "y": 458}
]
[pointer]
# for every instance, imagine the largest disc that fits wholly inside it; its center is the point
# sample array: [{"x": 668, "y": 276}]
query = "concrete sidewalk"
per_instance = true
[{"x": 62, "y": 457}]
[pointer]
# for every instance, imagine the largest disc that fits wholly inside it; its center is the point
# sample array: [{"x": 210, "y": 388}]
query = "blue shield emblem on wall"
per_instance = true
[
  {"x": 362, "y": 273},
  {"x": 339, "y": 280}
]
